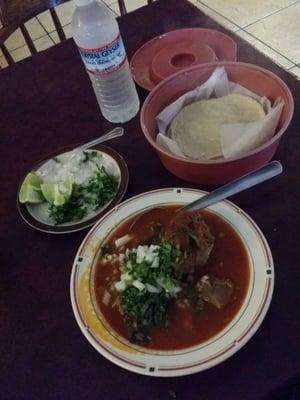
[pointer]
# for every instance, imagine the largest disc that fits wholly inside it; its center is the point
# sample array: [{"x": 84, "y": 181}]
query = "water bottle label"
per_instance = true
[{"x": 106, "y": 59}]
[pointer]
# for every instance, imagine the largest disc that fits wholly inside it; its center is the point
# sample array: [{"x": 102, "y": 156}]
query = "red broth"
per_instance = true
[{"x": 228, "y": 259}]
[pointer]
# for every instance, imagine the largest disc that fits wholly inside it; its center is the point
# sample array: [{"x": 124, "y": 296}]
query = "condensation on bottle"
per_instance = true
[{"x": 97, "y": 36}]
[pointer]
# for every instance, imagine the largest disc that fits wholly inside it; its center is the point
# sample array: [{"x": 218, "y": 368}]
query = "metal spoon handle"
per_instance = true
[
  {"x": 238, "y": 185},
  {"x": 110, "y": 135}
]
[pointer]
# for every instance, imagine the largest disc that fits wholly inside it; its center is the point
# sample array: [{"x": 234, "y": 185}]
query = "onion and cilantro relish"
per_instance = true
[
  {"x": 85, "y": 198},
  {"x": 92, "y": 185},
  {"x": 147, "y": 286}
]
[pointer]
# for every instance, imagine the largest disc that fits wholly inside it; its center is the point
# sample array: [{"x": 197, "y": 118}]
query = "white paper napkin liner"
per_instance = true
[
  {"x": 236, "y": 139},
  {"x": 169, "y": 144}
]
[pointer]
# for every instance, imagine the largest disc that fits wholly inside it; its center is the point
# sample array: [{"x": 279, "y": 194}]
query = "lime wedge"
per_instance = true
[
  {"x": 57, "y": 193},
  {"x": 30, "y": 191}
]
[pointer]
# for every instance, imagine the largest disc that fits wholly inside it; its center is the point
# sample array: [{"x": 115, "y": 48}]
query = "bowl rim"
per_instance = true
[
  {"x": 233, "y": 64},
  {"x": 166, "y": 362}
]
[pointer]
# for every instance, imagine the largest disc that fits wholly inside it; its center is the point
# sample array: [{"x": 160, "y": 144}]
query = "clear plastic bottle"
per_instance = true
[{"x": 96, "y": 33}]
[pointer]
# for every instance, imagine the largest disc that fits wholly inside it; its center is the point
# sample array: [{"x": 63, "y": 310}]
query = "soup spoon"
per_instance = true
[
  {"x": 238, "y": 185},
  {"x": 118, "y": 131}
]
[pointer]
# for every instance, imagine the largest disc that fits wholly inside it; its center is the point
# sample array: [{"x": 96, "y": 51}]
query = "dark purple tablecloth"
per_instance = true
[{"x": 47, "y": 103}]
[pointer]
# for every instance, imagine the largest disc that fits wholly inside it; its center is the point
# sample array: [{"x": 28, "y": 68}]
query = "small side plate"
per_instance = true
[{"x": 35, "y": 215}]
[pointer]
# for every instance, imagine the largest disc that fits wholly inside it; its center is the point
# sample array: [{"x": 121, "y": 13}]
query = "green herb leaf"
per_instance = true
[
  {"x": 89, "y": 156},
  {"x": 83, "y": 199},
  {"x": 142, "y": 308},
  {"x": 145, "y": 309}
]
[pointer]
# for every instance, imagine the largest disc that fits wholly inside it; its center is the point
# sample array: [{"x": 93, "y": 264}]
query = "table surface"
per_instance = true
[{"x": 46, "y": 103}]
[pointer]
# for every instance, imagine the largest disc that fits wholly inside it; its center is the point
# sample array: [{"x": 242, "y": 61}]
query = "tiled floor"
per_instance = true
[{"x": 272, "y": 26}]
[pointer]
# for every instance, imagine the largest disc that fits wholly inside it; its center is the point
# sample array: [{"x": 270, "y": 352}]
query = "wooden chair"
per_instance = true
[
  {"x": 18, "y": 12},
  {"x": 15, "y": 13},
  {"x": 3, "y": 17}
]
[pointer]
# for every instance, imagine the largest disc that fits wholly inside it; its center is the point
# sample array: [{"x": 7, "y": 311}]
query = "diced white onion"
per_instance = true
[
  {"x": 120, "y": 286},
  {"x": 106, "y": 297},
  {"x": 121, "y": 257},
  {"x": 123, "y": 240},
  {"x": 155, "y": 262},
  {"x": 152, "y": 289},
  {"x": 128, "y": 264},
  {"x": 160, "y": 282},
  {"x": 146, "y": 253},
  {"x": 154, "y": 248},
  {"x": 127, "y": 252},
  {"x": 151, "y": 253},
  {"x": 126, "y": 277},
  {"x": 174, "y": 290},
  {"x": 138, "y": 284},
  {"x": 71, "y": 169},
  {"x": 141, "y": 254}
]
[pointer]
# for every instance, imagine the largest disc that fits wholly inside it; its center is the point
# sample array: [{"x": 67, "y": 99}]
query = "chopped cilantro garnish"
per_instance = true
[
  {"x": 89, "y": 156},
  {"x": 98, "y": 191},
  {"x": 142, "y": 307}
]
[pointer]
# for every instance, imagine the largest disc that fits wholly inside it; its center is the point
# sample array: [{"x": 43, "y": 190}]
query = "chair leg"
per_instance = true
[
  {"x": 56, "y": 21},
  {"x": 7, "y": 55},
  {"x": 122, "y": 7},
  {"x": 28, "y": 39}
]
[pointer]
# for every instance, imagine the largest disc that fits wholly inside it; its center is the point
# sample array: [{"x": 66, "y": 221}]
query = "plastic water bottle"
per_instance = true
[{"x": 97, "y": 35}]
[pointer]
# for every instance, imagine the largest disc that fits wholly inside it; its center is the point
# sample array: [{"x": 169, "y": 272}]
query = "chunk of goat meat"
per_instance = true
[
  {"x": 215, "y": 291},
  {"x": 189, "y": 230}
]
